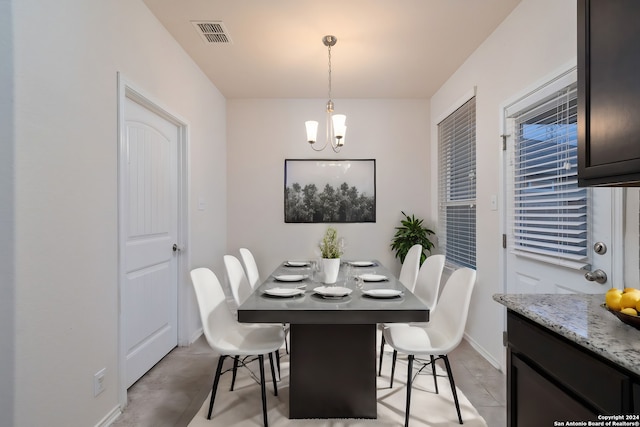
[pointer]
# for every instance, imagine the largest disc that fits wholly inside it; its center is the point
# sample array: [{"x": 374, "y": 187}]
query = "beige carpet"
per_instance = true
[{"x": 242, "y": 407}]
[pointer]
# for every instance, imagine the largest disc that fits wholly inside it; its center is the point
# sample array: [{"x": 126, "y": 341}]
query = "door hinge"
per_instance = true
[
  {"x": 504, "y": 338},
  {"x": 504, "y": 142},
  {"x": 504, "y": 241}
]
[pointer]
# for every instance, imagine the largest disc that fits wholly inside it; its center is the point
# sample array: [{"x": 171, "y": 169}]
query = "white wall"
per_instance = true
[
  {"x": 536, "y": 40},
  {"x": 262, "y": 133},
  {"x": 7, "y": 219},
  {"x": 67, "y": 55}
]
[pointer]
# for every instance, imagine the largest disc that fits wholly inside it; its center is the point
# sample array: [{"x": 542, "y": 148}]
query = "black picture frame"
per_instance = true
[{"x": 329, "y": 190}]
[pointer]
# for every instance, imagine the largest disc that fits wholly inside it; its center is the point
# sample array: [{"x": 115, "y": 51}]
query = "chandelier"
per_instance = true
[{"x": 335, "y": 123}]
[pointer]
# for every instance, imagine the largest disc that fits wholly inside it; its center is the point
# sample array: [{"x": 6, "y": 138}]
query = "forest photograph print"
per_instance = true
[{"x": 329, "y": 190}]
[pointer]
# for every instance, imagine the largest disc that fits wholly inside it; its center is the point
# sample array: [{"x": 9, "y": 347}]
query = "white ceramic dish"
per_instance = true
[
  {"x": 361, "y": 263},
  {"x": 297, "y": 263},
  {"x": 383, "y": 293},
  {"x": 284, "y": 292},
  {"x": 373, "y": 277},
  {"x": 290, "y": 277},
  {"x": 332, "y": 291}
]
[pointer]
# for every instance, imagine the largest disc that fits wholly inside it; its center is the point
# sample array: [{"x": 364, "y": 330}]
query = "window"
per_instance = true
[
  {"x": 457, "y": 185},
  {"x": 549, "y": 212}
]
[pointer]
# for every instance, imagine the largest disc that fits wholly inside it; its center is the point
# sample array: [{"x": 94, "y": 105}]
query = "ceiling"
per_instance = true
[{"x": 385, "y": 49}]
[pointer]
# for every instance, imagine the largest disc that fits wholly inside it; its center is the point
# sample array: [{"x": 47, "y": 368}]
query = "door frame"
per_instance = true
[{"x": 127, "y": 89}]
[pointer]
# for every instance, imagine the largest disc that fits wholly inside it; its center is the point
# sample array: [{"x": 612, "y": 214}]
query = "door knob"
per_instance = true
[
  {"x": 176, "y": 248},
  {"x": 596, "y": 276}
]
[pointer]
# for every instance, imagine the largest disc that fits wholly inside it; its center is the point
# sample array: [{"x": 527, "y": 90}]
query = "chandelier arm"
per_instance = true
[{"x": 319, "y": 149}]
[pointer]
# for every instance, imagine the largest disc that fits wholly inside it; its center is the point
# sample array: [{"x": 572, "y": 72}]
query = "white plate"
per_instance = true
[
  {"x": 284, "y": 292},
  {"x": 361, "y": 263},
  {"x": 373, "y": 277},
  {"x": 332, "y": 291},
  {"x": 382, "y": 293},
  {"x": 290, "y": 277},
  {"x": 296, "y": 263}
]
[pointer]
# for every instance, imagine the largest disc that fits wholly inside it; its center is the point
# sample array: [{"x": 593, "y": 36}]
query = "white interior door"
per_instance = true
[
  {"x": 149, "y": 229},
  {"x": 560, "y": 238}
]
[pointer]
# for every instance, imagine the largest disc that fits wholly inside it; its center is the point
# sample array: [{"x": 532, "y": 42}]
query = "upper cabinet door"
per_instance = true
[{"x": 608, "y": 92}]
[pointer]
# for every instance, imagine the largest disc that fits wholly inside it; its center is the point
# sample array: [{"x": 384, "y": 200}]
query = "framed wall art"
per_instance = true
[{"x": 321, "y": 190}]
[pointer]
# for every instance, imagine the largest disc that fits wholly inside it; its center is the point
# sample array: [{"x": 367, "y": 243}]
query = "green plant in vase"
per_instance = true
[
  {"x": 331, "y": 250},
  {"x": 410, "y": 233}
]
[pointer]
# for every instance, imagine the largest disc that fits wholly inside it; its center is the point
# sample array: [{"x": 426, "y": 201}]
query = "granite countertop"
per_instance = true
[{"x": 581, "y": 319}]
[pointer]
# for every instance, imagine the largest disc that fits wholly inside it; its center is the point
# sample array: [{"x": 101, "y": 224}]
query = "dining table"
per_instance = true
[{"x": 332, "y": 335}]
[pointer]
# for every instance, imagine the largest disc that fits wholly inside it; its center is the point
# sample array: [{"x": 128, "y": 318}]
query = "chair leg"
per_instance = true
[
  {"x": 453, "y": 386},
  {"x": 286, "y": 344},
  {"x": 233, "y": 373},
  {"x": 433, "y": 369},
  {"x": 278, "y": 363},
  {"x": 393, "y": 367},
  {"x": 215, "y": 385},
  {"x": 273, "y": 375},
  {"x": 262, "y": 388},
  {"x": 409, "y": 384},
  {"x": 382, "y": 343}
]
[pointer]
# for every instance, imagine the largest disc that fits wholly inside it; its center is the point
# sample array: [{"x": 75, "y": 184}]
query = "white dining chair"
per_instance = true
[
  {"x": 441, "y": 335},
  {"x": 227, "y": 337},
  {"x": 428, "y": 282},
  {"x": 408, "y": 277},
  {"x": 250, "y": 267},
  {"x": 410, "y": 267},
  {"x": 238, "y": 282},
  {"x": 241, "y": 290},
  {"x": 427, "y": 289}
]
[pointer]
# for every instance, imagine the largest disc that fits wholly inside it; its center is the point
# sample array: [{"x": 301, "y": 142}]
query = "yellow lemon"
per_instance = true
[
  {"x": 630, "y": 311},
  {"x": 612, "y": 299},
  {"x": 629, "y": 289},
  {"x": 629, "y": 299}
]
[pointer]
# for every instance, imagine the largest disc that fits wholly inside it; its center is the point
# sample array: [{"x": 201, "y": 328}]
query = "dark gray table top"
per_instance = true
[{"x": 311, "y": 308}]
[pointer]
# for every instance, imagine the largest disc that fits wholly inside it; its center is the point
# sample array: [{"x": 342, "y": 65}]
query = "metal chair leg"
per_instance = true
[
  {"x": 393, "y": 367},
  {"x": 273, "y": 375},
  {"x": 453, "y": 386},
  {"x": 262, "y": 388},
  {"x": 278, "y": 363},
  {"x": 382, "y": 343},
  {"x": 433, "y": 369},
  {"x": 409, "y": 385},
  {"x": 233, "y": 374},
  {"x": 216, "y": 379}
]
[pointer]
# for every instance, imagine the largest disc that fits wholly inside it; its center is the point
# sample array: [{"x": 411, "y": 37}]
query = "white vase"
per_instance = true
[{"x": 330, "y": 267}]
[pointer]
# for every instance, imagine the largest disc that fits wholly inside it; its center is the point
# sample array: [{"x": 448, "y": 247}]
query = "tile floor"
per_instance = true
[{"x": 171, "y": 393}]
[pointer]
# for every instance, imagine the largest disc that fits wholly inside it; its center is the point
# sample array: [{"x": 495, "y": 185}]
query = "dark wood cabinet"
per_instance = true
[
  {"x": 550, "y": 378},
  {"x": 608, "y": 92}
]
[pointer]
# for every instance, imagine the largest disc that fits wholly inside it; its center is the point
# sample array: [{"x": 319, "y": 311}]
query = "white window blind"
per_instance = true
[
  {"x": 457, "y": 185},
  {"x": 549, "y": 211}
]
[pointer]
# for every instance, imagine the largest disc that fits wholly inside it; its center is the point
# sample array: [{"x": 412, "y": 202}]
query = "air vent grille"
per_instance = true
[{"x": 212, "y": 31}]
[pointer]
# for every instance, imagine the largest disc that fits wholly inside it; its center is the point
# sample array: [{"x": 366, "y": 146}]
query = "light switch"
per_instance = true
[
  {"x": 201, "y": 203},
  {"x": 494, "y": 202}
]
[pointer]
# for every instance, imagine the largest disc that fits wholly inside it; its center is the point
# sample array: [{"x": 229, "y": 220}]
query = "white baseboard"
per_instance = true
[
  {"x": 477, "y": 347},
  {"x": 195, "y": 336},
  {"x": 110, "y": 417}
]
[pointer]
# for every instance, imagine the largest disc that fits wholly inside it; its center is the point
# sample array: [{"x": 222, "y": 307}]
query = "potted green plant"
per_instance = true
[
  {"x": 331, "y": 250},
  {"x": 410, "y": 233}
]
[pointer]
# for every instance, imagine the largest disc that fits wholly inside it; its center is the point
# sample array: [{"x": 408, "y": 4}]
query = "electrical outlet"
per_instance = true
[{"x": 98, "y": 381}]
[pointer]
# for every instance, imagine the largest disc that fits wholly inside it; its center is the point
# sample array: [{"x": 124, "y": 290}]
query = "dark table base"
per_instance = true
[{"x": 333, "y": 371}]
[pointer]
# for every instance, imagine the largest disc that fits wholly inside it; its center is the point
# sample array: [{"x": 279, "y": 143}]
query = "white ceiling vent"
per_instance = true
[{"x": 212, "y": 31}]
